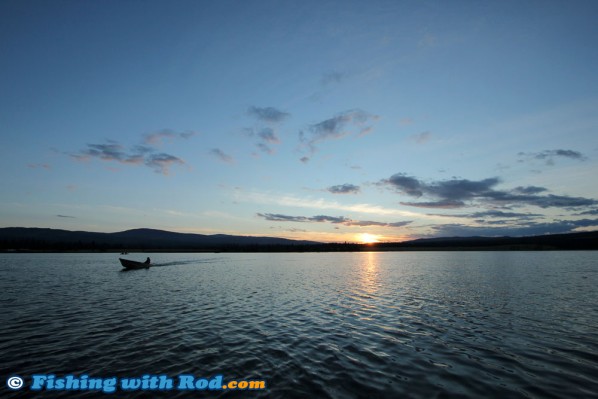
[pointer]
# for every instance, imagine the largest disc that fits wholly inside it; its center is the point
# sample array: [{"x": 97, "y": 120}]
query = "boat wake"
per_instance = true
[{"x": 182, "y": 262}]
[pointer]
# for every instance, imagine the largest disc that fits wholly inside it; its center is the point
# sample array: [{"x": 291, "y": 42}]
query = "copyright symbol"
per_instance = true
[{"x": 14, "y": 382}]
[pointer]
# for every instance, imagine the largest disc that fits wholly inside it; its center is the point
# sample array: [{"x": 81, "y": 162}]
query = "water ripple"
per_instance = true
[{"x": 419, "y": 325}]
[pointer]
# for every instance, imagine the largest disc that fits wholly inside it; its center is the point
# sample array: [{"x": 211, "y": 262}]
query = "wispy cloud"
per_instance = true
[
  {"x": 332, "y": 77},
  {"x": 344, "y": 189},
  {"x": 162, "y": 162},
  {"x": 267, "y": 134},
  {"x": 39, "y": 165},
  {"x": 156, "y": 138},
  {"x": 320, "y": 203},
  {"x": 111, "y": 151},
  {"x": 353, "y": 122},
  {"x": 550, "y": 156},
  {"x": 66, "y": 216},
  {"x": 276, "y": 217},
  {"x": 218, "y": 153},
  {"x": 268, "y": 121},
  {"x": 268, "y": 114},
  {"x": 143, "y": 154},
  {"x": 421, "y": 138}
]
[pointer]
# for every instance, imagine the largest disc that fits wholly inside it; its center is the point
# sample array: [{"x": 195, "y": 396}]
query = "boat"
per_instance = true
[{"x": 131, "y": 264}]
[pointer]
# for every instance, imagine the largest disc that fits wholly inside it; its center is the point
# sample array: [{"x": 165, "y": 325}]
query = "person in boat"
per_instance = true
[{"x": 147, "y": 261}]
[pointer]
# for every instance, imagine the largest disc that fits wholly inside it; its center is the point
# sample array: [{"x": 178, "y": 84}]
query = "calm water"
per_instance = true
[{"x": 338, "y": 325}]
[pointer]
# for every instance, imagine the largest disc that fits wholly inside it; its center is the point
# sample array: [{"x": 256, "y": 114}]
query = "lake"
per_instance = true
[{"x": 321, "y": 325}]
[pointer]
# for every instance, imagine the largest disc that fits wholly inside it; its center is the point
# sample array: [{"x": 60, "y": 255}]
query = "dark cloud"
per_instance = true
[
  {"x": 66, "y": 216},
  {"x": 455, "y": 190},
  {"x": 443, "y": 204},
  {"x": 406, "y": 184},
  {"x": 590, "y": 212},
  {"x": 453, "y": 193},
  {"x": 268, "y": 114},
  {"x": 495, "y": 214},
  {"x": 381, "y": 224},
  {"x": 276, "y": 217},
  {"x": 549, "y": 156},
  {"x": 217, "y": 152},
  {"x": 352, "y": 122},
  {"x": 461, "y": 189},
  {"x": 529, "y": 190},
  {"x": 344, "y": 189},
  {"x": 542, "y": 201}
]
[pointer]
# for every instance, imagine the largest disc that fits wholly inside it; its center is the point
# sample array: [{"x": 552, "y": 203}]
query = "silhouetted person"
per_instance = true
[{"x": 147, "y": 261}]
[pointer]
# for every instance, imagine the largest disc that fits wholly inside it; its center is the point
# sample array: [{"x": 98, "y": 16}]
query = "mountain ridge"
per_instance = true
[{"x": 146, "y": 239}]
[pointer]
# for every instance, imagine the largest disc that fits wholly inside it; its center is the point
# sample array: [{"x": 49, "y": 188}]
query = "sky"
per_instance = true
[{"x": 332, "y": 121}]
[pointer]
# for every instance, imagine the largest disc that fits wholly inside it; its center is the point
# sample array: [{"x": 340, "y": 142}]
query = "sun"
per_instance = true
[{"x": 367, "y": 238}]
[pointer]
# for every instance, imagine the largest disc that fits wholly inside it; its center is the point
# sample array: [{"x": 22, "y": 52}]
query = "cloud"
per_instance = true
[
  {"x": 268, "y": 114},
  {"x": 268, "y": 135},
  {"x": 590, "y": 212},
  {"x": 529, "y": 190},
  {"x": 39, "y": 165},
  {"x": 406, "y": 184},
  {"x": 269, "y": 120},
  {"x": 549, "y": 156},
  {"x": 221, "y": 155},
  {"x": 352, "y": 122},
  {"x": 66, "y": 216},
  {"x": 161, "y": 162},
  {"x": 545, "y": 201},
  {"x": 158, "y": 137},
  {"x": 454, "y": 190},
  {"x": 421, "y": 138},
  {"x": 111, "y": 151},
  {"x": 266, "y": 138},
  {"x": 453, "y": 193},
  {"x": 344, "y": 189},
  {"x": 332, "y": 77},
  {"x": 320, "y": 203},
  {"x": 276, "y": 217},
  {"x": 494, "y": 214},
  {"x": 144, "y": 154},
  {"x": 556, "y": 227},
  {"x": 443, "y": 204}
]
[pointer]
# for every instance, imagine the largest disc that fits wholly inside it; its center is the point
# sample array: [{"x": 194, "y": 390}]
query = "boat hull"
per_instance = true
[{"x": 131, "y": 264}]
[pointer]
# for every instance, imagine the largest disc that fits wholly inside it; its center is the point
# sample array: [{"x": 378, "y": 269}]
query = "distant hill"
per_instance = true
[
  {"x": 21, "y": 238},
  {"x": 39, "y": 239},
  {"x": 585, "y": 240}
]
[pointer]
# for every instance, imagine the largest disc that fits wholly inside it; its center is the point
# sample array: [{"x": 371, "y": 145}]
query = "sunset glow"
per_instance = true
[{"x": 366, "y": 238}]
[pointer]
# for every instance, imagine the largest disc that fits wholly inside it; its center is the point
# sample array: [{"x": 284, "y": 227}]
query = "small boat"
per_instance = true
[{"x": 131, "y": 264}]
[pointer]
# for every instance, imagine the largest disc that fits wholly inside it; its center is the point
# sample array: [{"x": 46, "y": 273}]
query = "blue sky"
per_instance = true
[{"x": 324, "y": 120}]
